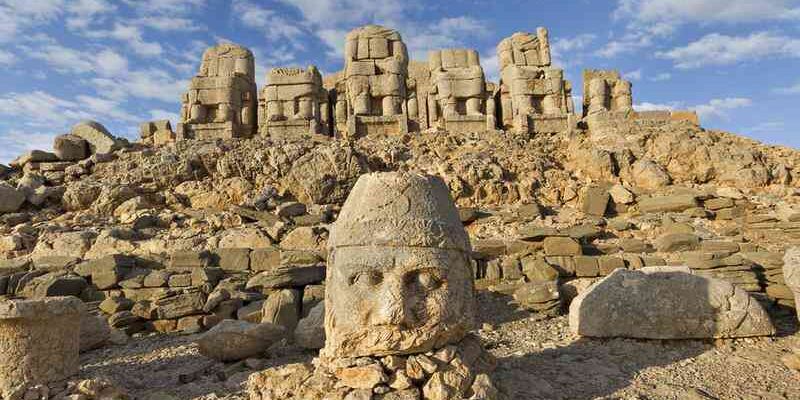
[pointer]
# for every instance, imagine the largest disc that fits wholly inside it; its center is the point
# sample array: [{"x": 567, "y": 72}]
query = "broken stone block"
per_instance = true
[
  {"x": 595, "y": 201},
  {"x": 70, "y": 148},
  {"x": 674, "y": 203},
  {"x": 251, "y": 312},
  {"x": 98, "y": 137},
  {"x": 666, "y": 303},
  {"x": 288, "y": 276},
  {"x": 672, "y": 242},
  {"x": 186, "y": 260},
  {"x": 106, "y": 272},
  {"x": 206, "y": 276},
  {"x": 11, "y": 199},
  {"x": 53, "y": 284},
  {"x": 113, "y": 305},
  {"x": 791, "y": 274},
  {"x": 561, "y": 246},
  {"x": 607, "y": 264},
  {"x": 536, "y": 269},
  {"x": 586, "y": 266},
  {"x": 180, "y": 280},
  {"x": 95, "y": 331},
  {"x": 33, "y": 156},
  {"x": 232, "y": 340},
  {"x": 233, "y": 259},
  {"x": 542, "y": 297},
  {"x": 41, "y": 341},
  {"x": 180, "y": 305},
  {"x": 265, "y": 259},
  {"x": 282, "y": 308},
  {"x": 310, "y": 331}
]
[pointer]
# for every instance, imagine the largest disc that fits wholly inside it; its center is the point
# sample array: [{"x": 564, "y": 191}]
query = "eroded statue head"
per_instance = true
[{"x": 399, "y": 273}]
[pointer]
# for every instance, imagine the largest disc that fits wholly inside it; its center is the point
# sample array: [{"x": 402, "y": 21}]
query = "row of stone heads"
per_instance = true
[{"x": 381, "y": 90}]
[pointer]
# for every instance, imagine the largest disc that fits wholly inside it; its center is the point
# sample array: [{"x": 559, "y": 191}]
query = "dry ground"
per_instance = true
[{"x": 538, "y": 358}]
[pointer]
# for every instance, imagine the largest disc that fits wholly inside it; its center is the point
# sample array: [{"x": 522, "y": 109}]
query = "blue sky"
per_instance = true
[{"x": 737, "y": 62}]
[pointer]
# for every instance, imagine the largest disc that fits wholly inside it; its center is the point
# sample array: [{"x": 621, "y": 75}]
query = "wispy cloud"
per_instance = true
[{"x": 717, "y": 49}]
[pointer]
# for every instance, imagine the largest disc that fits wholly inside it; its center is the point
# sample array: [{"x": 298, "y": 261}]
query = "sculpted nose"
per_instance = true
[{"x": 391, "y": 309}]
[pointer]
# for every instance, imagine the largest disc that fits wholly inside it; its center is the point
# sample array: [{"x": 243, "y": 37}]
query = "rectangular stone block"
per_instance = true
[
  {"x": 378, "y": 48},
  {"x": 186, "y": 260},
  {"x": 608, "y": 264},
  {"x": 586, "y": 266},
  {"x": 265, "y": 259},
  {"x": 233, "y": 259},
  {"x": 180, "y": 305}
]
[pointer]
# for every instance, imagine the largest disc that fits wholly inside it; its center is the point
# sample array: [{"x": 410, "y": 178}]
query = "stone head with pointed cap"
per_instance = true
[{"x": 399, "y": 273}]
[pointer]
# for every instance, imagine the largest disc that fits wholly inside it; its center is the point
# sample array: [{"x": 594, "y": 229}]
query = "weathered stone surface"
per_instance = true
[
  {"x": 677, "y": 242},
  {"x": 39, "y": 341},
  {"x": 282, "y": 308},
  {"x": 288, "y": 276},
  {"x": 674, "y": 203},
  {"x": 561, "y": 246},
  {"x": 11, "y": 199},
  {"x": 265, "y": 259},
  {"x": 180, "y": 305},
  {"x": 539, "y": 296},
  {"x": 595, "y": 201},
  {"x": 95, "y": 331},
  {"x": 791, "y": 274},
  {"x": 310, "y": 331},
  {"x": 97, "y": 136},
  {"x": 106, "y": 272},
  {"x": 666, "y": 303},
  {"x": 70, "y": 147},
  {"x": 398, "y": 242},
  {"x": 232, "y": 340}
]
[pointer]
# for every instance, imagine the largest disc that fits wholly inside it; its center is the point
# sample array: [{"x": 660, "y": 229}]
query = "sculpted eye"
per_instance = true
[
  {"x": 366, "y": 278},
  {"x": 425, "y": 280}
]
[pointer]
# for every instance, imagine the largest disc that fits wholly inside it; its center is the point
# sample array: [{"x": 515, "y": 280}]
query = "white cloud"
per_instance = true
[
  {"x": 64, "y": 59},
  {"x": 269, "y": 22},
  {"x": 717, "y": 49},
  {"x": 491, "y": 66},
  {"x": 7, "y": 58},
  {"x": 17, "y": 15},
  {"x": 567, "y": 51},
  {"x": 705, "y": 11},
  {"x": 443, "y": 33},
  {"x": 146, "y": 84},
  {"x": 167, "y": 7},
  {"x": 664, "y": 76},
  {"x": 794, "y": 89},
  {"x": 16, "y": 142},
  {"x": 655, "y": 106},
  {"x": 720, "y": 107},
  {"x": 132, "y": 36},
  {"x": 168, "y": 24},
  {"x": 349, "y": 12},
  {"x": 633, "y": 75},
  {"x": 83, "y": 12},
  {"x": 110, "y": 63},
  {"x": 769, "y": 127}
]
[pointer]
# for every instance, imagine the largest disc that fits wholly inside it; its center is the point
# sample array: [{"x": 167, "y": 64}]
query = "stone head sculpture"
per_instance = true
[{"x": 399, "y": 274}]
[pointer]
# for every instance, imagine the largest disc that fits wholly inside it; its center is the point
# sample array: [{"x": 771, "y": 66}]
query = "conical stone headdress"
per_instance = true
[{"x": 398, "y": 209}]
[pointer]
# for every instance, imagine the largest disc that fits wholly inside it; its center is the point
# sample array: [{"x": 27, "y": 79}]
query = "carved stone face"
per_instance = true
[
  {"x": 397, "y": 300},
  {"x": 399, "y": 275}
]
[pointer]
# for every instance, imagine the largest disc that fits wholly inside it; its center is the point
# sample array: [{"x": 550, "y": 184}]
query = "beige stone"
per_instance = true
[
  {"x": 399, "y": 278},
  {"x": 460, "y": 100},
  {"x": 534, "y": 97},
  {"x": 98, "y": 137},
  {"x": 372, "y": 96},
  {"x": 294, "y": 102},
  {"x": 222, "y": 98},
  {"x": 605, "y": 91},
  {"x": 232, "y": 340},
  {"x": 791, "y": 274},
  {"x": 39, "y": 341},
  {"x": 666, "y": 303}
]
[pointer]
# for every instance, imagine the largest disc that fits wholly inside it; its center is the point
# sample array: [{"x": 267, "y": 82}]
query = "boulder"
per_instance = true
[
  {"x": 33, "y": 156},
  {"x": 70, "y": 147},
  {"x": 98, "y": 137},
  {"x": 95, "y": 331},
  {"x": 666, "y": 303},
  {"x": 542, "y": 297},
  {"x": 310, "y": 331},
  {"x": 791, "y": 274},
  {"x": 11, "y": 199},
  {"x": 288, "y": 276},
  {"x": 232, "y": 340}
]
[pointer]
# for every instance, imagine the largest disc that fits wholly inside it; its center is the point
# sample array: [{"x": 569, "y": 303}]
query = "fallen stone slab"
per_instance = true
[
  {"x": 667, "y": 303},
  {"x": 232, "y": 340},
  {"x": 674, "y": 203}
]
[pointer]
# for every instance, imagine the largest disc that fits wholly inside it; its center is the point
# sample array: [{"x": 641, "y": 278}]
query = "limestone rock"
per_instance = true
[
  {"x": 561, "y": 246},
  {"x": 388, "y": 220},
  {"x": 791, "y": 274},
  {"x": 70, "y": 147},
  {"x": 232, "y": 340},
  {"x": 282, "y": 308},
  {"x": 95, "y": 331},
  {"x": 674, "y": 203},
  {"x": 310, "y": 331},
  {"x": 671, "y": 242},
  {"x": 666, "y": 303},
  {"x": 98, "y": 137},
  {"x": 10, "y": 198}
]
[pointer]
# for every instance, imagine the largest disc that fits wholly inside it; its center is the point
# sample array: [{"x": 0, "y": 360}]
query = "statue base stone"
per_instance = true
[{"x": 458, "y": 371}]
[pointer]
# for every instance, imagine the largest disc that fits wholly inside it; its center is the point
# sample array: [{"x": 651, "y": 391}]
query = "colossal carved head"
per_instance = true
[{"x": 399, "y": 274}]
